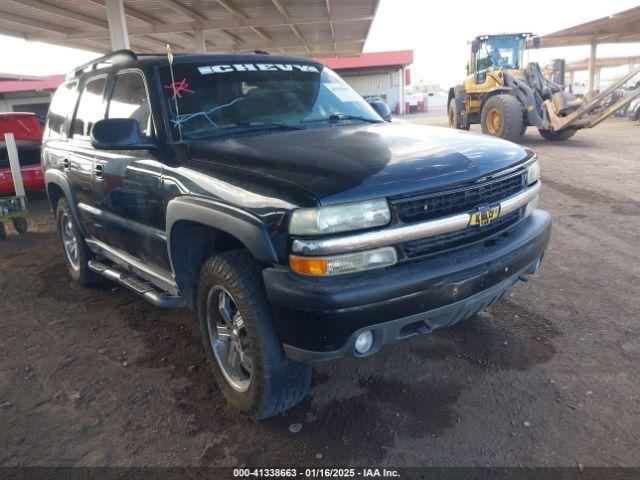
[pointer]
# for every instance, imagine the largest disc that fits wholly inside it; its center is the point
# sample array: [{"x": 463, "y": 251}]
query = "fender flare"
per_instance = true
[
  {"x": 56, "y": 177},
  {"x": 238, "y": 223}
]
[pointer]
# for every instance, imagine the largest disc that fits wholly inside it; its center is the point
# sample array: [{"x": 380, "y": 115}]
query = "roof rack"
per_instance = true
[{"x": 119, "y": 57}]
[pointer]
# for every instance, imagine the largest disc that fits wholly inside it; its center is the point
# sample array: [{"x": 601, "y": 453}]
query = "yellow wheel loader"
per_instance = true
[{"x": 505, "y": 97}]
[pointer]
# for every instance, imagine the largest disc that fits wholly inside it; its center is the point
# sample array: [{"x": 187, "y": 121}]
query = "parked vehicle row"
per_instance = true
[{"x": 27, "y": 132}]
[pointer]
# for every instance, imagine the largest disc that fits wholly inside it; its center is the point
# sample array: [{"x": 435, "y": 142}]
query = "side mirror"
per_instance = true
[
  {"x": 381, "y": 109},
  {"x": 119, "y": 134}
]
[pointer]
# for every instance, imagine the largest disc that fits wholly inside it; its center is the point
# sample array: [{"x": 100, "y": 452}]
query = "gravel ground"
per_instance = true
[{"x": 549, "y": 376}]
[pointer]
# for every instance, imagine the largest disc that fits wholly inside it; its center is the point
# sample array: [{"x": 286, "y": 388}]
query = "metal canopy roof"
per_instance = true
[
  {"x": 292, "y": 27},
  {"x": 617, "y": 28},
  {"x": 603, "y": 63}
]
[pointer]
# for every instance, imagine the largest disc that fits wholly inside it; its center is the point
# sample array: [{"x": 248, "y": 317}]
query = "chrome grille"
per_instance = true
[{"x": 458, "y": 200}]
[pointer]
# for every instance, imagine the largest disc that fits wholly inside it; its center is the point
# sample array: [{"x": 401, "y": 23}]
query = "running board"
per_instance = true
[{"x": 137, "y": 285}]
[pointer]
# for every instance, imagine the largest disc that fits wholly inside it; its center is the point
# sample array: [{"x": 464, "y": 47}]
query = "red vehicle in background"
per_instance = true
[{"x": 27, "y": 131}]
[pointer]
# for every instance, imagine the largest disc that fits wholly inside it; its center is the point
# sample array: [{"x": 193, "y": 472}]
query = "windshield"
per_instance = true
[
  {"x": 205, "y": 100},
  {"x": 500, "y": 52}
]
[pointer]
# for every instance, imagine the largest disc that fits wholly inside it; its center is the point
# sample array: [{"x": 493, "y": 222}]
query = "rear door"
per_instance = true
[
  {"x": 79, "y": 162},
  {"x": 127, "y": 183}
]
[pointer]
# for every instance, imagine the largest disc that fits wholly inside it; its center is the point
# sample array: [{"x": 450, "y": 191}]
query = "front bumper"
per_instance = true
[{"x": 320, "y": 319}]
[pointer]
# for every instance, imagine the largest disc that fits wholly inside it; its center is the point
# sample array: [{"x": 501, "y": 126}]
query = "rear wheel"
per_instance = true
[
  {"x": 502, "y": 117},
  {"x": 20, "y": 224},
  {"x": 76, "y": 252},
  {"x": 557, "y": 136},
  {"x": 524, "y": 129},
  {"x": 3, "y": 232},
  {"x": 247, "y": 358},
  {"x": 454, "y": 118}
]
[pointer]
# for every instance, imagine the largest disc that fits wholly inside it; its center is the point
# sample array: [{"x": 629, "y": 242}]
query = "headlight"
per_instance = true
[
  {"x": 339, "y": 218},
  {"x": 341, "y": 264},
  {"x": 533, "y": 173}
]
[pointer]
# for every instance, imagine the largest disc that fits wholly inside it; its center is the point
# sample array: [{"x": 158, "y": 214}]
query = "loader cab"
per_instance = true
[{"x": 495, "y": 52}]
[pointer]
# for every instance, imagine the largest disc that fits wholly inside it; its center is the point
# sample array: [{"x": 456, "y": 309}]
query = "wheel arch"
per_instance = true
[
  {"x": 199, "y": 228},
  {"x": 58, "y": 187},
  {"x": 493, "y": 92}
]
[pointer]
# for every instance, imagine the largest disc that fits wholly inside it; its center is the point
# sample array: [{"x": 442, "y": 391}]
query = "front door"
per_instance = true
[{"x": 126, "y": 184}]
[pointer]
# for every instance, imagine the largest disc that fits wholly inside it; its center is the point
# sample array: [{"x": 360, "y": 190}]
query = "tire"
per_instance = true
[
  {"x": 524, "y": 129},
  {"x": 20, "y": 224},
  {"x": 3, "y": 232},
  {"x": 502, "y": 117},
  {"x": 453, "y": 116},
  {"x": 263, "y": 382},
  {"x": 557, "y": 136},
  {"x": 77, "y": 265}
]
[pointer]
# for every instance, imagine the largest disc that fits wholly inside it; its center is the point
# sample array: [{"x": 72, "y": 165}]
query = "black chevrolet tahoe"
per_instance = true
[{"x": 267, "y": 195}]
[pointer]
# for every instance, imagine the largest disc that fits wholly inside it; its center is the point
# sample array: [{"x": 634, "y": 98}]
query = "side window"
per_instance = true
[
  {"x": 61, "y": 108},
  {"x": 89, "y": 109},
  {"x": 482, "y": 58},
  {"x": 130, "y": 100}
]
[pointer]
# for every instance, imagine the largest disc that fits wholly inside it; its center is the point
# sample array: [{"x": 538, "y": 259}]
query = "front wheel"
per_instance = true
[
  {"x": 557, "y": 136},
  {"x": 247, "y": 358},
  {"x": 502, "y": 117},
  {"x": 3, "y": 232}
]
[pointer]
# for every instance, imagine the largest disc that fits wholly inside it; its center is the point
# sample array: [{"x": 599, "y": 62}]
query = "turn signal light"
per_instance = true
[
  {"x": 309, "y": 266},
  {"x": 347, "y": 263}
]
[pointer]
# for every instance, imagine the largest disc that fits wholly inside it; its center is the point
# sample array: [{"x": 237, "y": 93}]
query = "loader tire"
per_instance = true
[
  {"x": 557, "y": 136},
  {"x": 502, "y": 117},
  {"x": 454, "y": 118}
]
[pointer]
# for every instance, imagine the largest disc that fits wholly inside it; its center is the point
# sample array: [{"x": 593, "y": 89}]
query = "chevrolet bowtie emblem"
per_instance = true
[{"x": 484, "y": 215}]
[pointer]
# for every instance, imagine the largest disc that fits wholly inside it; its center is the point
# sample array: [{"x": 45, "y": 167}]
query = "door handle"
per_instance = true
[
  {"x": 98, "y": 170},
  {"x": 66, "y": 164}
]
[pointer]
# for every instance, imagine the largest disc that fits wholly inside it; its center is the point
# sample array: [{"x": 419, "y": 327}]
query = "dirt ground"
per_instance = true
[{"x": 549, "y": 376}]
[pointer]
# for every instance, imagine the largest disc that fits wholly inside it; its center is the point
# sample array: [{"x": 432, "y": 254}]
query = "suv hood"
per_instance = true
[{"x": 350, "y": 163}]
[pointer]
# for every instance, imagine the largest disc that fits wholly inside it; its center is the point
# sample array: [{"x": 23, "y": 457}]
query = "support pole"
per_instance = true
[
  {"x": 572, "y": 78},
  {"x": 592, "y": 66},
  {"x": 199, "y": 43},
  {"x": 14, "y": 164},
  {"x": 117, "y": 24}
]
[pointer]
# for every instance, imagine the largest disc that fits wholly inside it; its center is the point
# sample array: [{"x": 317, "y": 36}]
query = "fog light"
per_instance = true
[{"x": 364, "y": 342}]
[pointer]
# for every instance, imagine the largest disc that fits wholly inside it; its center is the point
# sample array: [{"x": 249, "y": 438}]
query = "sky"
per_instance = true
[{"x": 437, "y": 31}]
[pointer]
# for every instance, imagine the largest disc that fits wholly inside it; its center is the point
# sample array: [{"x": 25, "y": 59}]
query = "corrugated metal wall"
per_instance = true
[{"x": 384, "y": 84}]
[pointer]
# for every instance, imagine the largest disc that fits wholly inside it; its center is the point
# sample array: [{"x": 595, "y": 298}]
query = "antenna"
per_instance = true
[{"x": 173, "y": 83}]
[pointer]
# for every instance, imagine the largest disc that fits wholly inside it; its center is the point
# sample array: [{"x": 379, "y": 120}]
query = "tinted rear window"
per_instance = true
[
  {"x": 61, "y": 108},
  {"x": 26, "y": 155},
  {"x": 90, "y": 107}
]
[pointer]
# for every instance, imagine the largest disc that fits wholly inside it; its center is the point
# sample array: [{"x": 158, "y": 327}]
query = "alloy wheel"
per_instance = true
[
  {"x": 229, "y": 339},
  {"x": 70, "y": 241}
]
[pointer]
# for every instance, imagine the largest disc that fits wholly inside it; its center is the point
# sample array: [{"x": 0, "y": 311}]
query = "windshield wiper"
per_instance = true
[
  {"x": 336, "y": 117},
  {"x": 266, "y": 124}
]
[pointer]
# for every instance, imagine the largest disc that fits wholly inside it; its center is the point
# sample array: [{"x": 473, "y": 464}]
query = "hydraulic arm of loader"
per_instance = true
[{"x": 574, "y": 118}]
